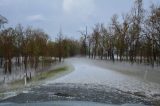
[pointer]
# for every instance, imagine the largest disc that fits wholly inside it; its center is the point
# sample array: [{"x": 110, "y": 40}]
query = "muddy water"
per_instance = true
[
  {"x": 141, "y": 71},
  {"x": 95, "y": 72},
  {"x": 95, "y": 81}
]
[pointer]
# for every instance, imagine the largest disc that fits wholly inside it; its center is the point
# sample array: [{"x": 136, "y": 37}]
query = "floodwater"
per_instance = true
[
  {"x": 95, "y": 72},
  {"x": 101, "y": 83}
]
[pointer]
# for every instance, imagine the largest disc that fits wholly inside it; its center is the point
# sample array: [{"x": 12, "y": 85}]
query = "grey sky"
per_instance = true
[{"x": 70, "y": 15}]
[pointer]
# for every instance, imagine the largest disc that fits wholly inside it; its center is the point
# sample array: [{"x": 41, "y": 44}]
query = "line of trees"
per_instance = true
[
  {"x": 134, "y": 38},
  {"x": 30, "y": 47}
]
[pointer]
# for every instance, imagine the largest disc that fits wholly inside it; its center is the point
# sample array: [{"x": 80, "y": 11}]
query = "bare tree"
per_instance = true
[
  {"x": 60, "y": 45},
  {"x": 84, "y": 42}
]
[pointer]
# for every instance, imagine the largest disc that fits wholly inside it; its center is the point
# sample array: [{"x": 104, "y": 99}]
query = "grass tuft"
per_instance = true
[{"x": 49, "y": 74}]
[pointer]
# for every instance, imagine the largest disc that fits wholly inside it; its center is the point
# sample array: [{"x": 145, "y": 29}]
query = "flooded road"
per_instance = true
[
  {"x": 92, "y": 82},
  {"x": 87, "y": 72}
]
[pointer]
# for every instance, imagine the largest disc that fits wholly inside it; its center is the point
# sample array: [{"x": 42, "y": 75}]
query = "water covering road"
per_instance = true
[
  {"x": 93, "y": 83},
  {"x": 87, "y": 73}
]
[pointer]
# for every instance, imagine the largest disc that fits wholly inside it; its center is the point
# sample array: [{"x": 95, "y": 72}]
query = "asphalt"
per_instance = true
[{"x": 77, "y": 92}]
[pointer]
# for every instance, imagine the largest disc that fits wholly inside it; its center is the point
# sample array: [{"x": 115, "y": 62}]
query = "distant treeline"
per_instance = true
[
  {"x": 29, "y": 46},
  {"x": 135, "y": 37}
]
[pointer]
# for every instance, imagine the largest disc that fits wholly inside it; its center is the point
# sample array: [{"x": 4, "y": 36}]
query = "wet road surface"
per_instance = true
[{"x": 93, "y": 84}]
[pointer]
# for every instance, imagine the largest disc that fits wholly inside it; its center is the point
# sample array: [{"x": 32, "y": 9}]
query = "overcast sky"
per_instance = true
[{"x": 70, "y": 15}]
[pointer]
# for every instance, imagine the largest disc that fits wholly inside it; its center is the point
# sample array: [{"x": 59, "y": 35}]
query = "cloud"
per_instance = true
[
  {"x": 78, "y": 6},
  {"x": 37, "y": 17}
]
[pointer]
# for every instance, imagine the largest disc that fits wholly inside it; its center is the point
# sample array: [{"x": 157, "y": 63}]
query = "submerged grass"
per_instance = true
[
  {"x": 19, "y": 84},
  {"x": 48, "y": 74},
  {"x": 41, "y": 76}
]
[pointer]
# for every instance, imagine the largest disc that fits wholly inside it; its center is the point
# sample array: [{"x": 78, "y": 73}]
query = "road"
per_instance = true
[
  {"x": 91, "y": 82},
  {"x": 86, "y": 72}
]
